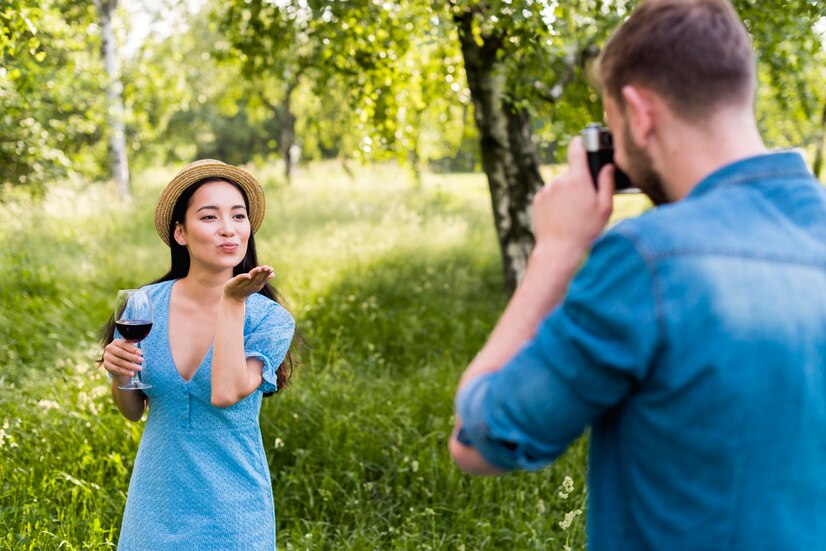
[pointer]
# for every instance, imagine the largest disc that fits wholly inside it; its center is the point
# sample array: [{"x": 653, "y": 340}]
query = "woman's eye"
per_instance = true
[
  {"x": 208, "y": 217},
  {"x": 240, "y": 216}
]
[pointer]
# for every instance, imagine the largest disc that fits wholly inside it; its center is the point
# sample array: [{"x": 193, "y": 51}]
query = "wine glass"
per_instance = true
[{"x": 133, "y": 319}]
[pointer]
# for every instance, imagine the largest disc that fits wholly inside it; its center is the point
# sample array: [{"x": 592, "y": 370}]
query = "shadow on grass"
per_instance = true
[{"x": 358, "y": 445}]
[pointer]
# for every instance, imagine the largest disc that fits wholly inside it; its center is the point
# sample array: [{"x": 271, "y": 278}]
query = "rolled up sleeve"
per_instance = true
[
  {"x": 585, "y": 358},
  {"x": 269, "y": 341}
]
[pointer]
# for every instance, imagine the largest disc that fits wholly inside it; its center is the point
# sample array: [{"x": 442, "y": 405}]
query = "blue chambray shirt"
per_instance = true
[{"x": 693, "y": 342}]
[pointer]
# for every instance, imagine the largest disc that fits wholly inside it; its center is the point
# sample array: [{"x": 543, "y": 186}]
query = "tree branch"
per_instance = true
[{"x": 577, "y": 58}]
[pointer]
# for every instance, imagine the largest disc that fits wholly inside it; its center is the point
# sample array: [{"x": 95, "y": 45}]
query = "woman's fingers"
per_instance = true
[
  {"x": 243, "y": 285},
  {"x": 262, "y": 273},
  {"x": 120, "y": 357}
]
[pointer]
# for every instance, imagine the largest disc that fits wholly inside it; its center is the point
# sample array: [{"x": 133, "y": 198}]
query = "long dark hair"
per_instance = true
[{"x": 179, "y": 268}]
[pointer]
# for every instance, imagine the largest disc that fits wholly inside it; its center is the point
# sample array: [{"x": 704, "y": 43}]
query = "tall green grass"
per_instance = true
[{"x": 395, "y": 287}]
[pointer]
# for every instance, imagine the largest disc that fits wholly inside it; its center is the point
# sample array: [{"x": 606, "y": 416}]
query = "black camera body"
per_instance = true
[{"x": 600, "y": 148}]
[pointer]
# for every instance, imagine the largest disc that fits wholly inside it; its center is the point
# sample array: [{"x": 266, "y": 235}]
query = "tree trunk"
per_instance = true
[
  {"x": 508, "y": 156},
  {"x": 817, "y": 167},
  {"x": 414, "y": 157},
  {"x": 287, "y": 130},
  {"x": 118, "y": 161},
  {"x": 285, "y": 120}
]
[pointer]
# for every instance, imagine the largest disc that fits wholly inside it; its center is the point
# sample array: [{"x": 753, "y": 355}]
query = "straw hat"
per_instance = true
[{"x": 200, "y": 170}]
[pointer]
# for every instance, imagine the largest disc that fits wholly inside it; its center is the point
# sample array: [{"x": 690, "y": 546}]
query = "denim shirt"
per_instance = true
[{"x": 693, "y": 343}]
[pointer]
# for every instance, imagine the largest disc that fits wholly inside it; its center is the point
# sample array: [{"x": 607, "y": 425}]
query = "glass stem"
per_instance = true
[{"x": 136, "y": 376}]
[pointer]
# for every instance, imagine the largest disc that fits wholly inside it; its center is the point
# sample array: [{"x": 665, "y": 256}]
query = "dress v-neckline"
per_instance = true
[{"x": 169, "y": 342}]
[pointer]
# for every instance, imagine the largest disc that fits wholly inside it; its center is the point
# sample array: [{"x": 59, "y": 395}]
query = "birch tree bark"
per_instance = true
[
  {"x": 817, "y": 167},
  {"x": 118, "y": 160},
  {"x": 287, "y": 128},
  {"x": 508, "y": 156}
]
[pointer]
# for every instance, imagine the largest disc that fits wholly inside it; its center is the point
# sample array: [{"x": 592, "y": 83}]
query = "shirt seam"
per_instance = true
[
  {"x": 649, "y": 261},
  {"x": 717, "y": 181},
  {"x": 767, "y": 257}
]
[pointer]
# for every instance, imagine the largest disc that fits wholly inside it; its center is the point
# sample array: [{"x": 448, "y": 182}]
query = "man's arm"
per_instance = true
[{"x": 568, "y": 215}]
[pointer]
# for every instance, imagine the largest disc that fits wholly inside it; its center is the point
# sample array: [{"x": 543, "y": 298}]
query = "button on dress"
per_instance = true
[{"x": 201, "y": 479}]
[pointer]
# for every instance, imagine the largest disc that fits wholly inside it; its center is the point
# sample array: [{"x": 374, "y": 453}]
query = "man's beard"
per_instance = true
[{"x": 641, "y": 171}]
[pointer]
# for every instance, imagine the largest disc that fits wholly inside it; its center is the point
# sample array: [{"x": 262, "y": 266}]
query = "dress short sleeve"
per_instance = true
[
  {"x": 268, "y": 333},
  {"x": 586, "y": 356}
]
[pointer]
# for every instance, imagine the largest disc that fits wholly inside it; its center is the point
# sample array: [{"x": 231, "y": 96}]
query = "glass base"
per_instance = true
[{"x": 135, "y": 385}]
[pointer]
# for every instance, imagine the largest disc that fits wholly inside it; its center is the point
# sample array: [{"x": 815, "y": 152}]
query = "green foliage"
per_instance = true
[
  {"x": 370, "y": 79},
  {"x": 184, "y": 105},
  {"x": 50, "y": 102},
  {"x": 789, "y": 38},
  {"x": 386, "y": 75},
  {"x": 395, "y": 287},
  {"x": 367, "y": 48}
]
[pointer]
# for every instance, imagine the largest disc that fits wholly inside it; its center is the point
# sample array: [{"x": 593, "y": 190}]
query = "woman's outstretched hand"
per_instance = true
[{"x": 243, "y": 285}]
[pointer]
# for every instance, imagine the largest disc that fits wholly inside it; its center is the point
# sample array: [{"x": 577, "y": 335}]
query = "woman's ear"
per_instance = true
[
  {"x": 639, "y": 113},
  {"x": 180, "y": 234}
]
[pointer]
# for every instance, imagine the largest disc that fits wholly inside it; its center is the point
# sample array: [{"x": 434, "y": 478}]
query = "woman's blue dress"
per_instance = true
[{"x": 201, "y": 479}]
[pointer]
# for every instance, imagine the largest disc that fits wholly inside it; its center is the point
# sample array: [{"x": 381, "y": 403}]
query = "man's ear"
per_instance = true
[
  {"x": 639, "y": 113},
  {"x": 179, "y": 234}
]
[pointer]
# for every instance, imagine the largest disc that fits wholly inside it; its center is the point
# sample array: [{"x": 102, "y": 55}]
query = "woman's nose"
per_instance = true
[{"x": 226, "y": 227}]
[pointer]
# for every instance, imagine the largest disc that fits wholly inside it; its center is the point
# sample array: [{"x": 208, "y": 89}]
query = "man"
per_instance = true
[{"x": 693, "y": 340}]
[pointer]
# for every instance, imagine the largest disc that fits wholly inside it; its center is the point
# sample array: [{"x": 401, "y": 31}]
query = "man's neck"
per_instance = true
[{"x": 691, "y": 152}]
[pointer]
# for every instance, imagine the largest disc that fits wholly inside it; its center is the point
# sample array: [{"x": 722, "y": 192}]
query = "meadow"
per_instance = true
[{"x": 394, "y": 286}]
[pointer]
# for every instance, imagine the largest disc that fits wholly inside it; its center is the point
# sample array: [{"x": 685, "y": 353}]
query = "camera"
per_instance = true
[{"x": 600, "y": 148}]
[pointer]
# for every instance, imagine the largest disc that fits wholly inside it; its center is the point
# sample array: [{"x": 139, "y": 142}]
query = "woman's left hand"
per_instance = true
[{"x": 243, "y": 285}]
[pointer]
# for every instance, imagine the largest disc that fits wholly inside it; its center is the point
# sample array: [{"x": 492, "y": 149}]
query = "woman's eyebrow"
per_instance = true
[{"x": 213, "y": 207}]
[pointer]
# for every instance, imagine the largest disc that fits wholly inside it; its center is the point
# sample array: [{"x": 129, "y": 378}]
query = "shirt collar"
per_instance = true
[{"x": 781, "y": 164}]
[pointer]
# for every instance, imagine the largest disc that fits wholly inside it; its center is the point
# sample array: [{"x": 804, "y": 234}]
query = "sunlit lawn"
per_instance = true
[{"x": 394, "y": 286}]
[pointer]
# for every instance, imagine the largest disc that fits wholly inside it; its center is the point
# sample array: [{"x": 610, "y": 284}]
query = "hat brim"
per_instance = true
[{"x": 201, "y": 170}]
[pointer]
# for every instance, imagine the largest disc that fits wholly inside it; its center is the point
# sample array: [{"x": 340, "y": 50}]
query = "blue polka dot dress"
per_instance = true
[{"x": 201, "y": 479}]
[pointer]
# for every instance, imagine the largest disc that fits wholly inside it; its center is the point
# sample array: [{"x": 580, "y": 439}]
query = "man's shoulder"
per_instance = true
[
  {"x": 655, "y": 230},
  {"x": 762, "y": 218}
]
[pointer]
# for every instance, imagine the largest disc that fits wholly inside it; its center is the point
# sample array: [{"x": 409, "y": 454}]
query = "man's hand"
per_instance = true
[
  {"x": 569, "y": 211},
  {"x": 241, "y": 286}
]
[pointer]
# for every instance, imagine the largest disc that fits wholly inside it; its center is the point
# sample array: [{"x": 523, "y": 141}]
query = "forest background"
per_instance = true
[{"x": 400, "y": 143}]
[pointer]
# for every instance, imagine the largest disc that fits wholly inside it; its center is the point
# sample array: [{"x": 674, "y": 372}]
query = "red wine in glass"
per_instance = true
[
  {"x": 133, "y": 331},
  {"x": 133, "y": 320}
]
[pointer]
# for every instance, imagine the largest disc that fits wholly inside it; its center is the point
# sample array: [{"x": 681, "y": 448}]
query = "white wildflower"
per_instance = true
[
  {"x": 48, "y": 404},
  {"x": 569, "y": 518},
  {"x": 279, "y": 443},
  {"x": 98, "y": 391},
  {"x": 567, "y": 487}
]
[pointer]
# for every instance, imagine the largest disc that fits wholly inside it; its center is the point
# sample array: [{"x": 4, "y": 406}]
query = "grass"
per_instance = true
[{"x": 395, "y": 287}]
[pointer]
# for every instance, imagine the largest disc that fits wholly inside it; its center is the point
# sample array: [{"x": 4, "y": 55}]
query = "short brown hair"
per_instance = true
[{"x": 695, "y": 53}]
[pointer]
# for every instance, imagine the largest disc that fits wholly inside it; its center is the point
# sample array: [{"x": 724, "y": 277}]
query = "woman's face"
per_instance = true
[{"x": 216, "y": 227}]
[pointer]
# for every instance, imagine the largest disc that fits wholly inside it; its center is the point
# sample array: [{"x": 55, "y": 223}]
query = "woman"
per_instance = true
[{"x": 220, "y": 341}]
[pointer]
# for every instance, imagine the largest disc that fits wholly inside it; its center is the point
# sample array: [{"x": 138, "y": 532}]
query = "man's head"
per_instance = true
[
  {"x": 695, "y": 54},
  {"x": 693, "y": 57}
]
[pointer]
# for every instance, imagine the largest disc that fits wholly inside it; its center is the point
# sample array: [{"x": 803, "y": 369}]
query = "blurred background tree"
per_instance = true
[
  {"x": 51, "y": 105},
  {"x": 522, "y": 65},
  {"x": 499, "y": 85},
  {"x": 118, "y": 159}
]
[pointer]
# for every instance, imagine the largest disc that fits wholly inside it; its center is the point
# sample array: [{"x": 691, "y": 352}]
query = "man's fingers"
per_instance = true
[
  {"x": 605, "y": 185},
  {"x": 576, "y": 154}
]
